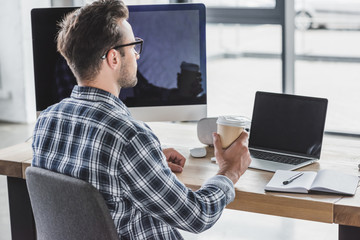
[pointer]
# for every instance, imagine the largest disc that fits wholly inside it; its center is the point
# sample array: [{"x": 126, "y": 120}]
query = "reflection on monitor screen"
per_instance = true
[{"x": 171, "y": 69}]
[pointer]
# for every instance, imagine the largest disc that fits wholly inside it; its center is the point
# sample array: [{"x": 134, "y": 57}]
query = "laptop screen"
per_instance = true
[{"x": 288, "y": 124}]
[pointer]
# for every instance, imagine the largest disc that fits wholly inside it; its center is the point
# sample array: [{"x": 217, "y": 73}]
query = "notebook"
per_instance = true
[
  {"x": 286, "y": 131},
  {"x": 325, "y": 180}
]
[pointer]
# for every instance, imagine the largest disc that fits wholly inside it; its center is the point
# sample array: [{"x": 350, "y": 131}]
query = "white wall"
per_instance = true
[{"x": 17, "y": 99}]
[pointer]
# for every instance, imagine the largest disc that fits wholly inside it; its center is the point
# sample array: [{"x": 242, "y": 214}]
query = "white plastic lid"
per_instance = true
[{"x": 234, "y": 121}]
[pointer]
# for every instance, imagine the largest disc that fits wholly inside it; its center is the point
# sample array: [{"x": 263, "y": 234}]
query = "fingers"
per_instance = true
[
  {"x": 175, "y": 168},
  {"x": 241, "y": 141},
  {"x": 174, "y": 157},
  {"x": 244, "y": 137},
  {"x": 216, "y": 141},
  {"x": 179, "y": 160},
  {"x": 170, "y": 153},
  {"x": 217, "y": 144},
  {"x": 218, "y": 150}
]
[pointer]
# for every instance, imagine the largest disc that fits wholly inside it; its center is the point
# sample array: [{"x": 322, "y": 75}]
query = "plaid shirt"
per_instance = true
[{"x": 92, "y": 136}]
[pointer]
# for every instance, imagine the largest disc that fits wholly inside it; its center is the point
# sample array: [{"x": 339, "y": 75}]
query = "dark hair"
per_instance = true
[{"x": 87, "y": 33}]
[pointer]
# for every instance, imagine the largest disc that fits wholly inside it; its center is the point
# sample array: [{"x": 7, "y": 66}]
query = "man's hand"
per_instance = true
[
  {"x": 234, "y": 160},
  {"x": 175, "y": 160}
]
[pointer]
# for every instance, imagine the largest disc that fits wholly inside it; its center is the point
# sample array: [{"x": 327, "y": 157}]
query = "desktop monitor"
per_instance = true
[{"x": 171, "y": 69}]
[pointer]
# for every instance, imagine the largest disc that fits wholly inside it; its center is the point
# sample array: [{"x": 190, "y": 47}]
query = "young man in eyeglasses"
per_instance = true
[{"x": 92, "y": 136}]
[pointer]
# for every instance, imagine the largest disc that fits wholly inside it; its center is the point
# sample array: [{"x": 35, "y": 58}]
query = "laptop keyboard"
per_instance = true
[{"x": 277, "y": 157}]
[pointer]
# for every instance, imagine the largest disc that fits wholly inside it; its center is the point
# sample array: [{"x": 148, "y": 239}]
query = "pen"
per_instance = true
[{"x": 293, "y": 178}]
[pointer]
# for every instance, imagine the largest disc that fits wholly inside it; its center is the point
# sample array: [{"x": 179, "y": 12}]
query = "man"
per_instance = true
[{"x": 92, "y": 136}]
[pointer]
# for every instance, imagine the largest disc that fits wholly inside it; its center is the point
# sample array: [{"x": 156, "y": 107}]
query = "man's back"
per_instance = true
[
  {"x": 91, "y": 136},
  {"x": 84, "y": 137}
]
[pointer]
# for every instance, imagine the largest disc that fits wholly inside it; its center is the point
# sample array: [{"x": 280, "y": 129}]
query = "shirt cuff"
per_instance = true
[{"x": 225, "y": 184}]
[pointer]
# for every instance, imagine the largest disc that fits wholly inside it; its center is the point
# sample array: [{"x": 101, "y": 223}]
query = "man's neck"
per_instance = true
[{"x": 105, "y": 84}]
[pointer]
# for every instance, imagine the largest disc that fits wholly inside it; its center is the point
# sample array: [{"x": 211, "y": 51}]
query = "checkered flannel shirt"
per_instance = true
[{"x": 92, "y": 136}]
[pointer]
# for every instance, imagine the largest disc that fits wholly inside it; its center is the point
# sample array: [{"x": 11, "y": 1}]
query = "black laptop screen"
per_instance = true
[{"x": 288, "y": 123}]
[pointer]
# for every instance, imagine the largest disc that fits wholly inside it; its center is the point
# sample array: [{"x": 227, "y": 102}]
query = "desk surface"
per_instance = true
[{"x": 337, "y": 153}]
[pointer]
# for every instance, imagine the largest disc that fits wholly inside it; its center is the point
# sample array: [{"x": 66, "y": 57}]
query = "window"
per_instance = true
[
  {"x": 244, "y": 49},
  {"x": 328, "y": 58},
  {"x": 241, "y": 61}
]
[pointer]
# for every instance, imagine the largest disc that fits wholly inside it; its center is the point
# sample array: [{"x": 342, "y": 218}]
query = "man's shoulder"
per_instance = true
[
  {"x": 131, "y": 125},
  {"x": 111, "y": 119}
]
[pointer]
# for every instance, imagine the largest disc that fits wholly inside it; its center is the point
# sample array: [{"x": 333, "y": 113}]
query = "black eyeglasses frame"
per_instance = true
[{"x": 137, "y": 41}]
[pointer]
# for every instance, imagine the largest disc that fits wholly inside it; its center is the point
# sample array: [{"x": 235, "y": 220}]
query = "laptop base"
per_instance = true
[{"x": 273, "y": 166}]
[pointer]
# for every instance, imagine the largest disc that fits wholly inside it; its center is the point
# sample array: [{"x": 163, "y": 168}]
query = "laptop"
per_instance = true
[{"x": 286, "y": 131}]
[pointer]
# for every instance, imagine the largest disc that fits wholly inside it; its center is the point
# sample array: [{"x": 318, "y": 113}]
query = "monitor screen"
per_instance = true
[{"x": 171, "y": 69}]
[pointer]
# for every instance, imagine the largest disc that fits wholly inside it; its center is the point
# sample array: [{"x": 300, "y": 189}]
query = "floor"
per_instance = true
[{"x": 232, "y": 224}]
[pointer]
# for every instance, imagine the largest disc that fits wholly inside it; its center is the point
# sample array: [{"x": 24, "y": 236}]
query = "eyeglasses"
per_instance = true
[{"x": 137, "y": 48}]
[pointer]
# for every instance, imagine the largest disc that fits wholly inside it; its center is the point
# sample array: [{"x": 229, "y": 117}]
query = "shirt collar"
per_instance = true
[{"x": 96, "y": 94}]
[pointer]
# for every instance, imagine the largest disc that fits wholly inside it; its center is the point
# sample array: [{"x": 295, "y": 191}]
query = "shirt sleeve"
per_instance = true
[
  {"x": 223, "y": 183},
  {"x": 154, "y": 189}
]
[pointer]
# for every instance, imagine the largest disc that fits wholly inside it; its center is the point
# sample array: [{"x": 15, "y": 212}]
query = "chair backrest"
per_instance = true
[{"x": 67, "y": 208}]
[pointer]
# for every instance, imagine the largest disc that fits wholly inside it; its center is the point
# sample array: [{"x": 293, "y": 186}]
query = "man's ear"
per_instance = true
[{"x": 113, "y": 59}]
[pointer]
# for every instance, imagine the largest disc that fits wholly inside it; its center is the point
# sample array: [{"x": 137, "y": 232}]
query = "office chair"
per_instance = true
[{"x": 67, "y": 208}]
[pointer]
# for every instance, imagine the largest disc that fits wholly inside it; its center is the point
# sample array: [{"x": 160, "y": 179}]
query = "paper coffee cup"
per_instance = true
[{"x": 230, "y": 127}]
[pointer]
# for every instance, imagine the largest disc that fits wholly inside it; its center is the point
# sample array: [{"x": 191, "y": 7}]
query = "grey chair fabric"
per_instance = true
[{"x": 67, "y": 208}]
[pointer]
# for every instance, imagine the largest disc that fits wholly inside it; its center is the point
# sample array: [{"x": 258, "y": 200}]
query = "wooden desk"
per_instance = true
[
  {"x": 338, "y": 153},
  {"x": 13, "y": 161}
]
